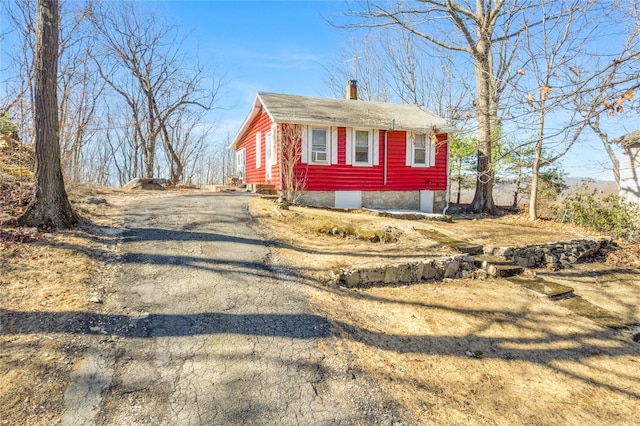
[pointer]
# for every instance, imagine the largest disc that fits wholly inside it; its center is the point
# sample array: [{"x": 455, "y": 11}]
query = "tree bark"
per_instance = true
[
  {"x": 516, "y": 191},
  {"x": 537, "y": 160},
  {"x": 483, "y": 198},
  {"x": 50, "y": 207}
]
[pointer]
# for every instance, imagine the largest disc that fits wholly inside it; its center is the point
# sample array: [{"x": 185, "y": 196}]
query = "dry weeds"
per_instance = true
[
  {"x": 318, "y": 252},
  {"x": 471, "y": 352},
  {"x": 46, "y": 281}
]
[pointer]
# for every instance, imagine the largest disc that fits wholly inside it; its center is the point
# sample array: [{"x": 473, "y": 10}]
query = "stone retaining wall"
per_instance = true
[
  {"x": 553, "y": 255},
  {"x": 457, "y": 266}
]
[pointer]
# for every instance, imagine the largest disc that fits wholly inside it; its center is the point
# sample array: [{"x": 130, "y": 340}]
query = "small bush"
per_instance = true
[
  {"x": 334, "y": 229},
  {"x": 612, "y": 215},
  {"x": 364, "y": 234}
]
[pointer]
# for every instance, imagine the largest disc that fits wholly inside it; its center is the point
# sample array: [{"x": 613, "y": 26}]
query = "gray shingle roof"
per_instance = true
[
  {"x": 628, "y": 139},
  {"x": 350, "y": 113}
]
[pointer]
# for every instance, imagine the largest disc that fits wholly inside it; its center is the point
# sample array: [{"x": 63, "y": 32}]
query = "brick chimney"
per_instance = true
[{"x": 352, "y": 90}]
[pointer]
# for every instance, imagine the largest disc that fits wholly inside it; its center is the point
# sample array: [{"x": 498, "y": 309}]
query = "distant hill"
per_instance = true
[{"x": 503, "y": 193}]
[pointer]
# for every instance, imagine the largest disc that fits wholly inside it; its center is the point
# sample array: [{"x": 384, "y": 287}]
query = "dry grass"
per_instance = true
[
  {"x": 539, "y": 364},
  {"x": 38, "y": 278},
  {"x": 317, "y": 252},
  {"x": 470, "y": 352},
  {"x": 46, "y": 280}
]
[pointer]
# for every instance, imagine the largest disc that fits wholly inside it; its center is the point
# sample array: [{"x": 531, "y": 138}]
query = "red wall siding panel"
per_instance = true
[
  {"x": 343, "y": 177},
  {"x": 261, "y": 123}
]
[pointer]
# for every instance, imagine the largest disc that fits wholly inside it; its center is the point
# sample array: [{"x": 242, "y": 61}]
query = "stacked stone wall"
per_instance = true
[
  {"x": 553, "y": 255},
  {"x": 458, "y": 266}
]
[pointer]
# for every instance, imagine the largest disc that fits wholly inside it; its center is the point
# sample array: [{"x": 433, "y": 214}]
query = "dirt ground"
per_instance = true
[
  {"x": 458, "y": 352},
  {"x": 317, "y": 253},
  {"x": 471, "y": 351},
  {"x": 49, "y": 273}
]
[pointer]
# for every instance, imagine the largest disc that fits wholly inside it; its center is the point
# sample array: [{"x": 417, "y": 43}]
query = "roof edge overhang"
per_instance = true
[
  {"x": 627, "y": 140},
  {"x": 440, "y": 129},
  {"x": 259, "y": 103},
  {"x": 247, "y": 122}
]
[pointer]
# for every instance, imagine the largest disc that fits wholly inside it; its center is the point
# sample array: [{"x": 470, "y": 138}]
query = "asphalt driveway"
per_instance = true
[{"x": 198, "y": 329}]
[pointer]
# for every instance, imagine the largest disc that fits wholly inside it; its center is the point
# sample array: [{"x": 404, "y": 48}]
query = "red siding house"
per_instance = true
[{"x": 353, "y": 153}]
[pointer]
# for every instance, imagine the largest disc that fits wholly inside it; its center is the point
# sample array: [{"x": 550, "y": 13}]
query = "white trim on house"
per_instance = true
[
  {"x": 318, "y": 156},
  {"x": 349, "y": 146},
  {"x": 271, "y": 135},
  {"x": 428, "y": 159},
  {"x": 304, "y": 158},
  {"x": 270, "y": 154},
  {"x": 334, "y": 145},
  {"x": 258, "y": 150},
  {"x": 369, "y": 133},
  {"x": 241, "y": 166},
  {"x": 376, "y": 147}
]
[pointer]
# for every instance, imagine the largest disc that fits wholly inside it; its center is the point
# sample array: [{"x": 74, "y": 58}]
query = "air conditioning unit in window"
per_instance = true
[{"x": 317, "y": 157}]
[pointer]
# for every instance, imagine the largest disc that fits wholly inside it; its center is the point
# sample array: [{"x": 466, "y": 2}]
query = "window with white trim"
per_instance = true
[
  {"x": 319, "y": 145},
  {"x": 362, "y": 147},
  {"x": 258, "y": 150},
  {"x": 240, "y": 163},
  {"x": 271, "y": 140},
  {"x": 420, "y": 150}
]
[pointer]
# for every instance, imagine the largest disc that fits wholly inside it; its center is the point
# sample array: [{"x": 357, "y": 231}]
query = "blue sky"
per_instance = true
[
  {"x": 287, "y": 47},
  {"x": 262, "y": 46}
]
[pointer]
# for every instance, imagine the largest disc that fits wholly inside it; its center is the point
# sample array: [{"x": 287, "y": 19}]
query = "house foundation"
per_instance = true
[{"x": 426, "y": 201}]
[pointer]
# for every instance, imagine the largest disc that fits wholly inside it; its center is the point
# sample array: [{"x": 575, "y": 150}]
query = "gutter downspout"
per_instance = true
[
  {"x": 384, "y": 180},
  {"x": 386, "y": 146},
  {"x": 448, "y": 190}
]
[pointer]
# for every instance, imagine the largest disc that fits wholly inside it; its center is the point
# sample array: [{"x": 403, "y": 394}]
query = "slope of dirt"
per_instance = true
[
  {"x": 47, "y": 281},
  {"x": 470, "y": 351},
  {"x": 317, "y": 252}
]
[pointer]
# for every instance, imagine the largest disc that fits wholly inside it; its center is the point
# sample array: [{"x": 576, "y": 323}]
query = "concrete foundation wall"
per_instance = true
[
  {"x": 318, "y": 198},
  {"x": 404, "y": 200}
]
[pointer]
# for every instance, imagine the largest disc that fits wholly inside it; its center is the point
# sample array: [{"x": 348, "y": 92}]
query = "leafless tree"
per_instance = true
[
  {"x": 563, "y": 70},
  {"x": 361, "y": 59},
  {"x": 189, "y": 136},
  {"x": 485, "y": 32},
  {"x": 145, "y": 64},
  {"x": 50, "y": 207},
  {"x": 78, "y": 90},
  {"x": 294, "y": 174},
  {"x": 396, "y": 66}
]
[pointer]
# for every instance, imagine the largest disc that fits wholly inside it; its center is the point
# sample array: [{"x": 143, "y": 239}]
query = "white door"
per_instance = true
[
  {"x": 348, "y": 199},
  {"x": 426, "y": 201},
  {"x": 268, "y": 143}
]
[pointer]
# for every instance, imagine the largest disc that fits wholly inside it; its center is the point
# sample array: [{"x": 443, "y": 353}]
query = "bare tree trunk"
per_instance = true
[
  {"x": 615, "y": 163},
  {"x": 537, "y": 160},
  {"x": 50, "y": 208},
  {"x": 516, "y": 191},
  {"x": 483, "y": 198}
]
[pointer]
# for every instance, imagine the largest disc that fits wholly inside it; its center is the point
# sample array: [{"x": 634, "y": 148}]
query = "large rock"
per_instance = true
[{"x": 146, "y": 183}]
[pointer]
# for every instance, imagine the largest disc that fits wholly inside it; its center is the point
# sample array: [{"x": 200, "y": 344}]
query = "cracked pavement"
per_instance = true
[{"x": 198, "y": 329}]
